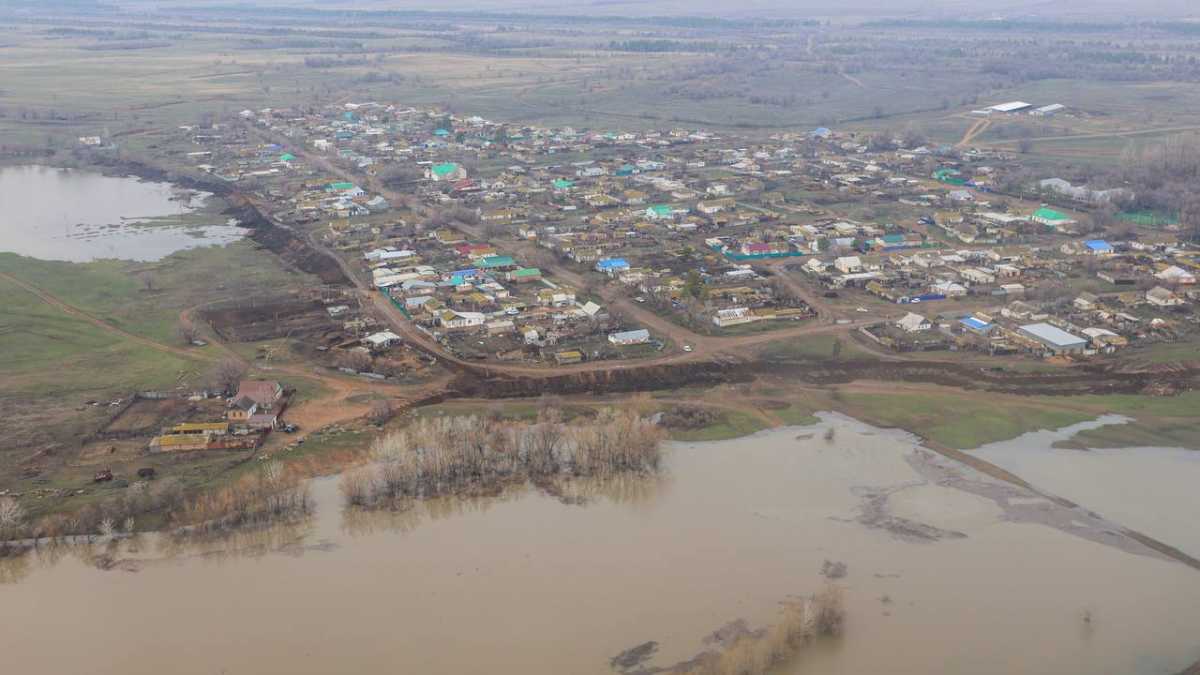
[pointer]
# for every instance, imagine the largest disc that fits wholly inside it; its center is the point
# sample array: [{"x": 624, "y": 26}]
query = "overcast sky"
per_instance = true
[{"x": 1077, "y": 9}]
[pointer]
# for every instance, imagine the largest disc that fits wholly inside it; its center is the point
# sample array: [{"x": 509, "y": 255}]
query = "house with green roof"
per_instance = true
[
  {"x": 949, "y": 177},
  {"x": 525, "y": 275},
  {"x": 493, "y": 262},
  {"x": 287, "y": 157},
  {"x": 340, "y": 187},
  {"x": 563, "y": 184},
  {"x": 1051, "y": 218},
  {"x": 659, "y": 212},
  {"x": 448, "y": 171}
]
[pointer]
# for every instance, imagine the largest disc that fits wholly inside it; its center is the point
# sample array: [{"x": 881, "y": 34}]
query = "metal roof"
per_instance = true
[
  {"x": 1052, "y": 335},
  {"x": 1011, "y": 106}
]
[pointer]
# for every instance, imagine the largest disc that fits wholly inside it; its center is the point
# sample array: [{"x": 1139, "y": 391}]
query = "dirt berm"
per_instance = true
[
  {"x": 482, "y": 382},
  {"x": 286, "y": 244}
]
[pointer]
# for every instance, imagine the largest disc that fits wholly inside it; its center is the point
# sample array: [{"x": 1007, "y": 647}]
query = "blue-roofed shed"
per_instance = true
[{"x": 975, "y": 325}]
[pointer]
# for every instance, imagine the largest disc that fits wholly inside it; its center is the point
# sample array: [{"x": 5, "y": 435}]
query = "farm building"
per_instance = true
[
  {"x": 1010, "y": 107},
  {"x": 1055, "y": 339},
  {"x": 569, "y": 357},
  {"x": 1048, "y": 110},
  {"x": 630, "y": 337}
]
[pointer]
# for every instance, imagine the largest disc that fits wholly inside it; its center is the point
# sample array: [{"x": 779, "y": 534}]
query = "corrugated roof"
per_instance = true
[
  {"x": 188, "y": 427},
  {"x": 1052, "y": 335}
]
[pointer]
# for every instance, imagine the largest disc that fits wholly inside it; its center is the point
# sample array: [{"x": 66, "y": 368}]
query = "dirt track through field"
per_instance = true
[
  {"x": 974, "y": 131},
  {"x": 74, "y": 311},
  {"x": 1105, "y": 134}
]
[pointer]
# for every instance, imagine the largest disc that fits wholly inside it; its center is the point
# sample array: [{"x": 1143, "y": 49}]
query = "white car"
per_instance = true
[{"x": 687, "y": 348}]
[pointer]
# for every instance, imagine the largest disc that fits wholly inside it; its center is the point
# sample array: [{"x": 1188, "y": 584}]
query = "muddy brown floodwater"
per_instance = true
[{"x": 945, "y": 572}]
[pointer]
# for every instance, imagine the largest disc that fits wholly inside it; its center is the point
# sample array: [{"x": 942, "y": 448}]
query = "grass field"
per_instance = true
[
  {"x": 48, "y": 353},
  {"x": 728, "y": 424},
  {"x": 814, "y": 347},
  {"x": 958, "y": 422},
  {"x": 147, "y": 298}
]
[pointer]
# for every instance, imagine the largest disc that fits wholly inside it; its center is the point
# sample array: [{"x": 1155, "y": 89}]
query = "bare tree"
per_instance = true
[
  {"x": 147, "y": 279},
  {"x": 12, "y": 516},
  {"x": 226, "y": 374},
  {"x": 187, "y": 331},
  {"x": 382, "y": 411}
]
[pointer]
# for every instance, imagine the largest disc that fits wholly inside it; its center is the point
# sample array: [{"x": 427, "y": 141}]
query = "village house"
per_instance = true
[
  {"x": 1085, "y": 302},
  {"x": 1176, "y": 276},
  {"x": 913, "y": 323},
  {"x": 1162, "y": 297},
  {"x": 848, "y": 265},
  {"x": 255, "y": 404}
]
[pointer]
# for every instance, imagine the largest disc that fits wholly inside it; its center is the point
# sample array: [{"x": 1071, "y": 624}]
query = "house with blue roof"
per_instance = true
[
  {"x": 1098, "y": 247},
  {"x": 976, "y": 325},
  {"x": 611, "y": 266}
]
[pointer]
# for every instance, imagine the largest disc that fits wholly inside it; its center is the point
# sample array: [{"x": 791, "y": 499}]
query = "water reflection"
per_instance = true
[
  {"x": 79, "y": 216},
  {"x": 635, "y": 490}
]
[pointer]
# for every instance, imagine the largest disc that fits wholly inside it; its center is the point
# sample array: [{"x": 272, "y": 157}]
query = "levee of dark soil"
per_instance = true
[
  {"x": 281, "y": 241},
  {"x": 482, "y": 382},
  {"x": 127, "y": 166}
]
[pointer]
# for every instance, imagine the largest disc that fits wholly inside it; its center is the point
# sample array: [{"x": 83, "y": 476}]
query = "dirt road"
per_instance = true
[
  {"x": 974, "y": 131},
  {"x": 1095, "y": 135}
]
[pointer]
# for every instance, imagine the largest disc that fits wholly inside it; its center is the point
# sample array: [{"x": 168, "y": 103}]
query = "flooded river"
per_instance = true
[
  {"x": 78, "y": 216},
  {"x": 947, "y": 572},
  {"x": 1152, "y": 490}
]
